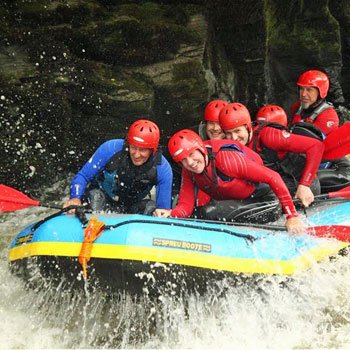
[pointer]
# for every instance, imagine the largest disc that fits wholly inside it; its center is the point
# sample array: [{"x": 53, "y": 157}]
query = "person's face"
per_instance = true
[
  {"x": 214, "y": 131},
  {"x": 139, "y": 155},
  {"x": 308, "y": 95},
  {"x": 194, "y": 162},
  {"x": 239, "y": 134}
]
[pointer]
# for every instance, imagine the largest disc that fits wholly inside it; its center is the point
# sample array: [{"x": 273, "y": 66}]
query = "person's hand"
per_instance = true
[
  {"x": 162, "y": 213},
  {"x": 305, "y": 195},
  {"x": 73, "y": 201},
  {"x": 295, "y": 225}
]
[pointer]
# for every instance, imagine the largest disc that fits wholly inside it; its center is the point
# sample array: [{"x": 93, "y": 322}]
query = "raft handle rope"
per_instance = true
[
  {"x": 247, "y": 237},
  {"x": 95, "y": 228},
  {"x": 63, "y": 210}
]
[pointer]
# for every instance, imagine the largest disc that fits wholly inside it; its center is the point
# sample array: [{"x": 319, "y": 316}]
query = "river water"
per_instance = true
[{"x": 310, "y": 311}]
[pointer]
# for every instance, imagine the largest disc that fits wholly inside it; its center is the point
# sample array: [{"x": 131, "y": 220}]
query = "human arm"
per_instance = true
[
  {"x": 184, "y": 208},
  {"x": 305, "y": 195},
  {"x": 186, "y": 201},
  {"x": 283, "y": 141},
  {"x": 238, "y": 166},
  {"x": 243, "y": 168},
  {"x": 93, "y": 166},
  {"x": 162, "y": 213},
  {"x": 295, "y": 225},
  {"x": 73, "y": 201},
  {"x": 164, "y": 185}
]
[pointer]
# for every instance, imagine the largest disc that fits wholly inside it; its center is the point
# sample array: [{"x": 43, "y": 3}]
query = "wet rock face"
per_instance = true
[{"x": 76, "y": 73}]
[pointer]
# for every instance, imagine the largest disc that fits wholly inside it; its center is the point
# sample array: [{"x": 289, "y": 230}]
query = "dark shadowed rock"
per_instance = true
[{"x": 76, "y": 73}]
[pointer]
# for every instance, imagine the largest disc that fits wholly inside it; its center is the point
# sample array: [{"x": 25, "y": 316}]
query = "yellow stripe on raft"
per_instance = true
[{"x": 180, "y": 257}]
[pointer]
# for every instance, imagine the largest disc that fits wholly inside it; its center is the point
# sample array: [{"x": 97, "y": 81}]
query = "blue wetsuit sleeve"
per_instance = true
[
  {"x": 164, "y": 185},
  {"x": 94, "y": 166}
]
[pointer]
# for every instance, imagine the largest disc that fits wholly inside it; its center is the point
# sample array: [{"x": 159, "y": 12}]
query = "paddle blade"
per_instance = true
[
  {"x": 12, "y": 200},
  {"x": 343, "y": 193},
  {"x": 339, "y": 232},
  {"x": 337, "y": 143}
]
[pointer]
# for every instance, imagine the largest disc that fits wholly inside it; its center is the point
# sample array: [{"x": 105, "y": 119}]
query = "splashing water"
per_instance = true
[{"x": 310, "y": 310}]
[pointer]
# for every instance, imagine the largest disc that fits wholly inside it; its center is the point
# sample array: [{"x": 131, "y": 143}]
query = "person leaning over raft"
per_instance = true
[
  {"x": 312, "y": 107},
  {"x": 231, "y": 174},
  {"x": 208, "y": 129},
  {"x": 121, "y": 173},
  {"x": 295, "y": 157}
]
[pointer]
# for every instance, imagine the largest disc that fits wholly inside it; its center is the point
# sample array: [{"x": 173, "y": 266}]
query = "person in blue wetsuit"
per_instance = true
[{"x": 121, "y": 173}]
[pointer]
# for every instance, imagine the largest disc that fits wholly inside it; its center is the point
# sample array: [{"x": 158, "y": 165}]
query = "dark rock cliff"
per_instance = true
[{"x": 76, "y": 73}]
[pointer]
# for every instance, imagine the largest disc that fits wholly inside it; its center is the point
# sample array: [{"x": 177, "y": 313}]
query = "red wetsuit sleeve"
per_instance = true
[
  {"x": 185, "y": 205},
  {"x": 234, "y": 164},
  {"x": 282, "y": 141}
]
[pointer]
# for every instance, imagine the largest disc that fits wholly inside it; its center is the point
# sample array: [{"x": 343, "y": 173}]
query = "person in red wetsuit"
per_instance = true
[
  {"x": 210, "y": 129},
  {"x": 233, "y": 176},
  {"x": 312, "y": 106},
  {"x": 295, "y": 157}
]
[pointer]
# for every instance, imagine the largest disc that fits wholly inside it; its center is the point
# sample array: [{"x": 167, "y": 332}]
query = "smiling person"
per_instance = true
[
  {"x": 240, "y": 186},
  {"x": 210, "y": 129},
  {"x": 121, "y": 173},
  {"x": 295, "y": 157}
]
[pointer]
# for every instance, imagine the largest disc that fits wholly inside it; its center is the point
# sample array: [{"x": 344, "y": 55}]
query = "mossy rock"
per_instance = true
[
  {"x": 130, "y": 36},
  {"x": 44, "y": 12},
  {"x": 313, "y": 36}
]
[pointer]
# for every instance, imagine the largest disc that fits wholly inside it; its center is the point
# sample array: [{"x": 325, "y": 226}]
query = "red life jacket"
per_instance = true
[
  {"x": 298, "y": 117},
  {"x": 222, "y": 186}
]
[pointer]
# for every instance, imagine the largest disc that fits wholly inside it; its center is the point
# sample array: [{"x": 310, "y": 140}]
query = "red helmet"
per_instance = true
[
  {"x": 212, "y": 110},
  {"x": 272, "y": 113},
  {"x": 234, "y": 115},
  {"x": 144, "y": 133},
  {"x": 317, "y": 79},
  {"x": 184, "y": 142}
]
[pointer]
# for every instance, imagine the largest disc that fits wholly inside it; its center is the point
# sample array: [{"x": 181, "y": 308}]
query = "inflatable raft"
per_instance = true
[{"x": 135, "y": 252}]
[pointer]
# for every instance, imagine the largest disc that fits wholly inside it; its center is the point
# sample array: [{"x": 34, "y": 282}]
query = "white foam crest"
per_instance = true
[{"x": 310, "y": 310}]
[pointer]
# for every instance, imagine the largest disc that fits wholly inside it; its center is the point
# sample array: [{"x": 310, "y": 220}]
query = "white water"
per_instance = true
[{"x": 311, "y": 311}]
